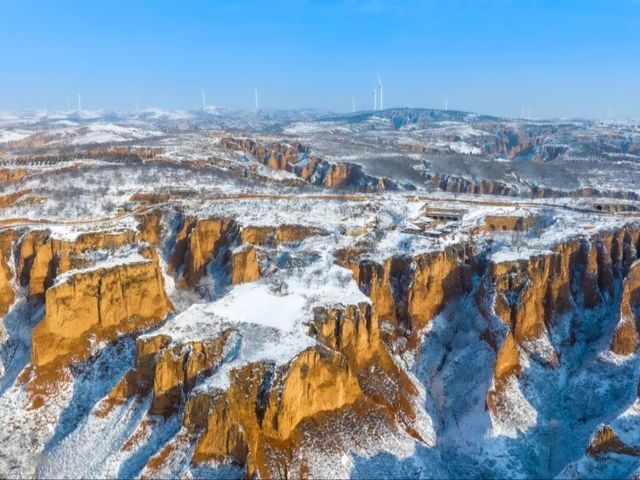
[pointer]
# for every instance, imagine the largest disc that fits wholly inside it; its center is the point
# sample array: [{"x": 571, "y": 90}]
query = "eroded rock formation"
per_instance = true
[
  {"x": 606, "y": 441},
  {"x": 533, "y": 297},
  {"x": 7, "y": 295},
  {"x": 41, "y": 256},
  {"x": 625, "y": 339},
  {"x": 263, "y": 410},
  {"x": 409, "y": 291},
  {"x": 297, "y": 160},
  {"x": 96, "y": 305}
]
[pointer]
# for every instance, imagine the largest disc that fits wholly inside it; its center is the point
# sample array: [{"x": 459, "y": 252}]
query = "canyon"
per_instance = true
[{"x": 369, "y": 295}]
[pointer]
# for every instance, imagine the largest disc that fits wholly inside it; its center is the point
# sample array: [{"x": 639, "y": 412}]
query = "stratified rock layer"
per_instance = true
[{"x": 98, "y": 305}]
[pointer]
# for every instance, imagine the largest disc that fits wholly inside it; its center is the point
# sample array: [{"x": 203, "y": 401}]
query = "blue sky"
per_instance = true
[{"x": 557, "y": 58}]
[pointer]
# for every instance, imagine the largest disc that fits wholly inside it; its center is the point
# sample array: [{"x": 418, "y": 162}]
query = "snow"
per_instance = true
[
  {"x": 70, "y": 233},
  {"x": 30, "y": 436},
  {"x": 253, "y": 303},
  {"x": 109, "y": 133},
  {"x": 550, "y": 413},
  {"x": 465, "y": 148},
  {"x": 269, "y": 318},
  {"x": 7, "y": 136},
  {"x": 249, "y": 342},
  {"x": 105, "y": 260}
]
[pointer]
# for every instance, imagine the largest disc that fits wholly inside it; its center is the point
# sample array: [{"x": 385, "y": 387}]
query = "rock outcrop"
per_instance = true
[
  {"x": 221, "y": 244},
  {"x": 625, "y": 340},
  {"x": 198, "y": 243},
  {"x": 12, "y": 175},
  {"x": 297, "y": 160},
  {"x": 519, "y": 141},
  {"x": 531, "y": 296},
  {"x": 149, "y": 227},
  {"x": 409, "y": 291},
  {"x": 7, "y": 295},
  {"x": 257, "y": 419},
  {"x": 606, "y": 441},
  {"x": 266, "y": 404},
  {"x": 485, "y": 186},
  {"x": 459, "y": 184},
  {"x": 90, "y": 306},
  {"x": 281, "y": 234},
  {"x": 244, "y": 265},
  {"x": 41, "y": 257}
]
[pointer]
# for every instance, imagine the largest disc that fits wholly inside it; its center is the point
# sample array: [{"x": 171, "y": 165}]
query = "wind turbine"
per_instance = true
[
  {"x": 204, "y": 99},
  {"x": 380, "y": 87},
  {"x": 353, "y": 105},
  {"x": 446, "y": 104},
  {"x": 375, "y": 99},
  {"x": 79, "y": 102},
  {"x": 255, "y": 90}
]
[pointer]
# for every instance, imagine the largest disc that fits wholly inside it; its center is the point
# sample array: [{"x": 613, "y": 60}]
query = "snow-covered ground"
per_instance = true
[{"x": 550, "y": 414}]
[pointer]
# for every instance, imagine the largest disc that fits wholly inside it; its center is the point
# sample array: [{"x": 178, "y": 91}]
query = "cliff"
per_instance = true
[
  {"x": 296, "y": 159},
  {"x": 99, "y": 304},
  {"x": 7, "y": 295},
  {"x": 536, "y": 297},
  {"x": 409, "y": 291},
  {"x": 223, "y": 248},
  {"x": 625, "y": 339},
  {"x": 257, "y": 416},
  {"x": 41, "y": 257}
]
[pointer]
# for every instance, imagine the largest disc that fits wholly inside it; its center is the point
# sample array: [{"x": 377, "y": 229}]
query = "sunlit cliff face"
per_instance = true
[{"x": 409, "y": 294}]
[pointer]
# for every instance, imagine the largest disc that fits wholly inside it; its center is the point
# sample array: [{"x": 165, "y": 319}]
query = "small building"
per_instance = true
[
  {"x": 443, "y": 214},
  {"x": 613, "y": 207}
]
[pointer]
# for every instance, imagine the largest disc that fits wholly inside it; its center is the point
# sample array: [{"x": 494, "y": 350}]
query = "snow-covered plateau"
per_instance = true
[{"x": 301, "y": 294}]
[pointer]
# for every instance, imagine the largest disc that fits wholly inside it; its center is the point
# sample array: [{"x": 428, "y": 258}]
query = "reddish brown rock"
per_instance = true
[
  {"x": 41, "y": 258},
  {"x": 625, "y": 339},
  {"x": 606, "y": 441},
  {"x": 7, "y": 295},
  {"x": 197, "y": 244},
  {"x": 98, "y": 305},
  {"x": 244, "y": 265}
]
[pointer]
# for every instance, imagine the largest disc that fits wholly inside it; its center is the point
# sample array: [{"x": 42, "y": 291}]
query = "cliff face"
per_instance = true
[
  {"x": 259, "y": 418},
  {"x": 606, "y": 441},
  {"x": 266, "y": 405},
  {"x": 409, "y": 291},
  {"x": 198, "y": 243},
  {"x": 533, "y": 308},
  {"x": 149, "y": 227},
  {"x": 40, "y": 257},
  {"x": 515, "y": 142},
  {"x": 281, "y": 234},
  {"x": 457, "y": 184},
  {"x": 462, "y": 184},
  {"x": 11, "y": 175},
  {"x": 98, "y": 305},
  {"x": 244, "y": 265},
  {"x": 537, "y": 298},
  {"x": 297, "y": 160},
  {"x": 7, "y": 295},
  {"x": 625, "y": 339},
  {"x": 231, "y": 250},
  {"x": 359, "y": 360}
]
